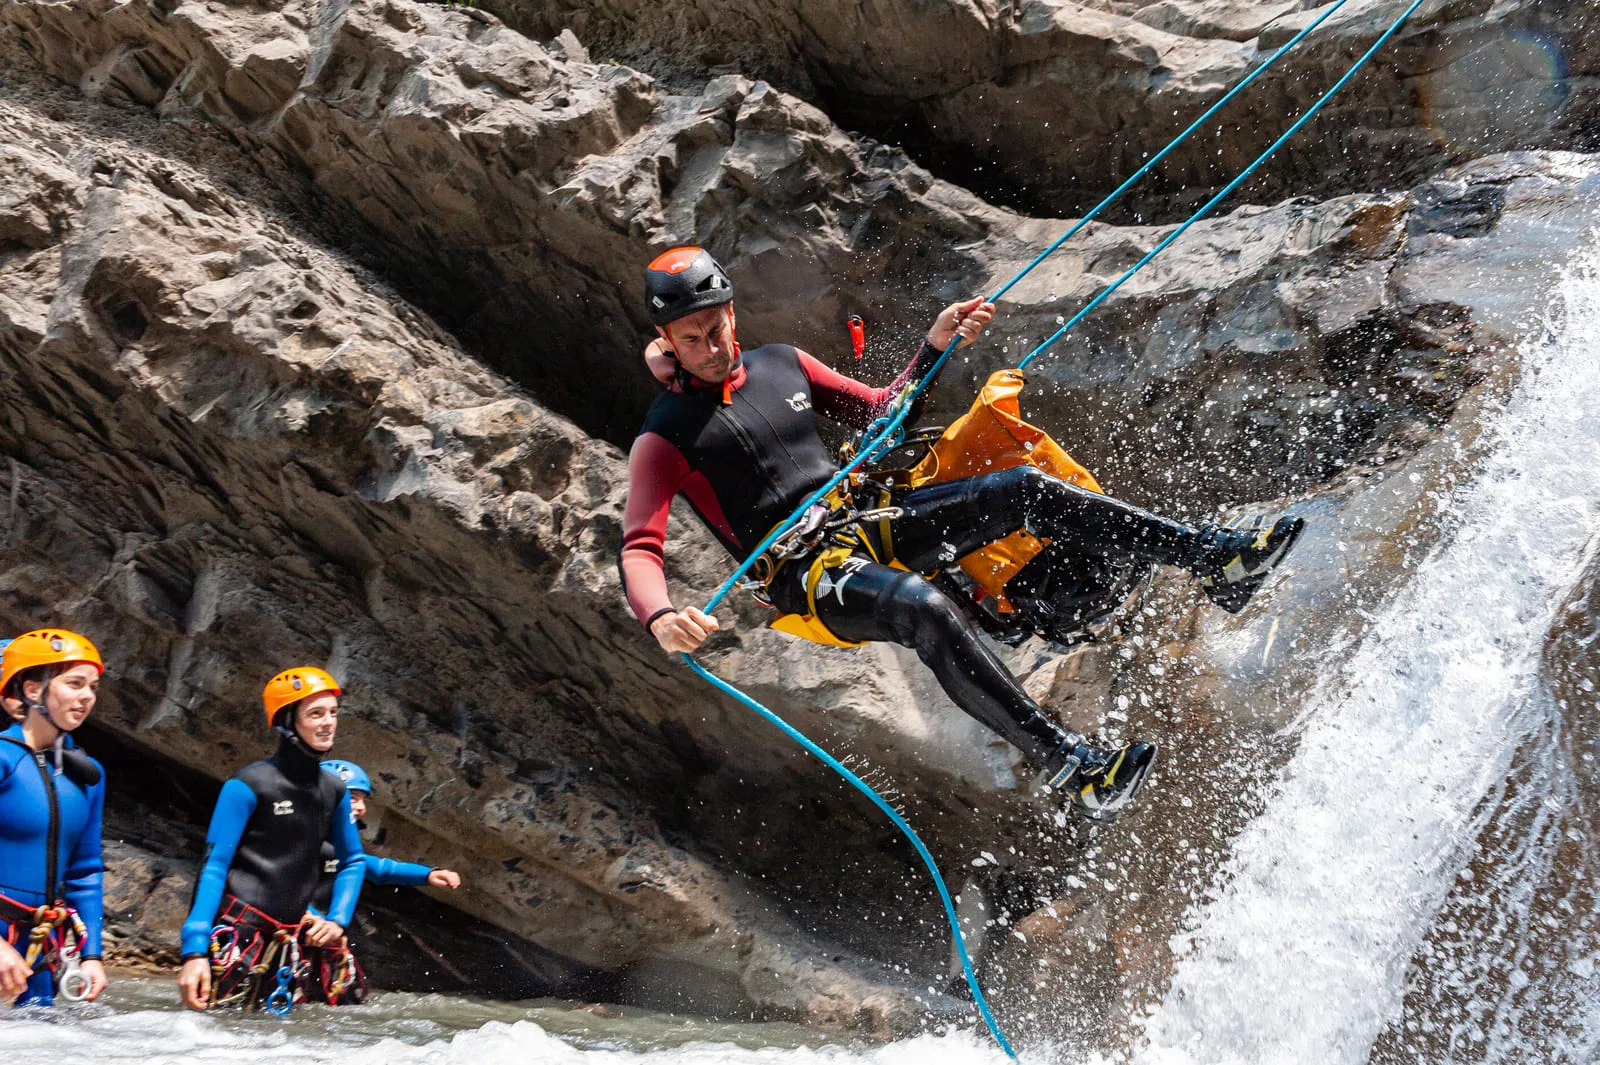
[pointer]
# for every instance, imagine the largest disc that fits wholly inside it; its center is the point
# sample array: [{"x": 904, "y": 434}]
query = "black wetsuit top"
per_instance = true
[{"x": 265, "y": 842}]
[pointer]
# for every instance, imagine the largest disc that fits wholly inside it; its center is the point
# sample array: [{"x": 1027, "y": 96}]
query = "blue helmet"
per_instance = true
[{"x": 354, "y": 777}]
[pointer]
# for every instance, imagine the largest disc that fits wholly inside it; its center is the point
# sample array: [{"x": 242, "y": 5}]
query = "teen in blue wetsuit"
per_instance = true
[
  {"x": 51, "y": 799},
  {"x": 337, "y": 976},
  {"x": 378, "y": 870},
  {"x": 263, "y": 856}
]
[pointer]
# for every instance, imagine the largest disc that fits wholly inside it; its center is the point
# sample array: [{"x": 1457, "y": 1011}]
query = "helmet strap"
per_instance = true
[{"x": 41, "y": 705}]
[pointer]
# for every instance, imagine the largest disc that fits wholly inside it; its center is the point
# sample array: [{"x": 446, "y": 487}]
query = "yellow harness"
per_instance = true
[{"x": 991, "y": 436}]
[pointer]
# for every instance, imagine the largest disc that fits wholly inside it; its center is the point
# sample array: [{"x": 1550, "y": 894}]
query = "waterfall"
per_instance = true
[{"x": 1301, "y": 953}]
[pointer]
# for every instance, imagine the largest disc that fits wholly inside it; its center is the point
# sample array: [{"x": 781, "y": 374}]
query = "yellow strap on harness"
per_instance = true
[
  {"x": 809, "y": 626},
  {"x": 991, "y": 436}
]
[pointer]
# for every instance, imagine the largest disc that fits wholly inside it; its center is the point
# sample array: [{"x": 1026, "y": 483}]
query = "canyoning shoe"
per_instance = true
[
  {"x": 1100, "y": 782},
  {"x": 1242, "y": 565}
]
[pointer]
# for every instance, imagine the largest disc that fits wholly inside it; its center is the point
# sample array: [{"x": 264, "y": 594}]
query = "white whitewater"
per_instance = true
[
  {"x": 1301, "y": 955},
  {"x": 141, "y": 1024}
]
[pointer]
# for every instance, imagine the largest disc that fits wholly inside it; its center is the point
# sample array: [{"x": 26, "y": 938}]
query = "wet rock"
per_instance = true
[
  {"x": 1050, "y": 103},
  {"x": 227, "y": 451}
]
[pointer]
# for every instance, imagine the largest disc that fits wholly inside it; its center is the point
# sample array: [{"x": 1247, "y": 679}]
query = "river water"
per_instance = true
[{"x": 138, "y": 1021}]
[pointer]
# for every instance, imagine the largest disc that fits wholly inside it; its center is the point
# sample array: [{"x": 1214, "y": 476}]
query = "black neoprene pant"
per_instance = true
[{"x": 863, "y": 600}]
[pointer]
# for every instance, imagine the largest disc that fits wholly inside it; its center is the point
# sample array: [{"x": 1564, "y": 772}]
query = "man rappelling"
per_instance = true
[{"x": 735, "y": 433}]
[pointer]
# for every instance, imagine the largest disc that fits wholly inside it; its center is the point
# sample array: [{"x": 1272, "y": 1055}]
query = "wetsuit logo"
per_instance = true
[
  {"x": 800, "y": 401},
  {"x": 826, "y": 582},
  {"x": 285, "y": 806},
  {"x": 330, "y": 866}
]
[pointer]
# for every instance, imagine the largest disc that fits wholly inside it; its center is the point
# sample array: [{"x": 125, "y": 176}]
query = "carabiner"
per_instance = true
[
  {"x": 72, "y": 984},
  {"x": 281, "y": 1001}
]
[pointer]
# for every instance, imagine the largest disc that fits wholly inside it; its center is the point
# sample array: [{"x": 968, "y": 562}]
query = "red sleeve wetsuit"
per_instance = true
[{"x": 744, "y": 456}]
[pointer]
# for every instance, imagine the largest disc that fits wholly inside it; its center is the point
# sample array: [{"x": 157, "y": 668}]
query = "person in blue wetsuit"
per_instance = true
[
  {"x": 263, "y": 857},
  {"x": 337, "y": 975},
  {"x": 52, "y": 796},
  {"x": 378, "y": 870}
]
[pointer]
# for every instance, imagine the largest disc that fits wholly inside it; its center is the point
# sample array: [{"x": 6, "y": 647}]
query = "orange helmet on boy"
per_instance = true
[{"x": 295, "y": 684}]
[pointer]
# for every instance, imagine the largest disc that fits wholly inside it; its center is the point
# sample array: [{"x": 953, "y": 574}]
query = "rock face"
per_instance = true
[
  {"x": 1051, "y": 103},
  {"x": 269, "y": 275},
  {"x": 503, "y": 184},
  {"x": 227, "y": 455}
]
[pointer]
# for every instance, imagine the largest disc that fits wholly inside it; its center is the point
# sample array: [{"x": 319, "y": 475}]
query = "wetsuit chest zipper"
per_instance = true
[
  {"x": 53, "y": 833},
  {"x": 739, "y": 432},
  {"x": 777, "y": 437}
]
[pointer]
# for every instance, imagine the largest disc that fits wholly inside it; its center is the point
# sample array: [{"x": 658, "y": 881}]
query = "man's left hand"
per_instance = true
[{"x": 965, "y": 319}]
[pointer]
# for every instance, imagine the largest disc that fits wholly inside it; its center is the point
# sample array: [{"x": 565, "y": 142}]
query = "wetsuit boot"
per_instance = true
[
  {"x": 1099, "y": 782},
  {"x": 1238, "y": 560}
]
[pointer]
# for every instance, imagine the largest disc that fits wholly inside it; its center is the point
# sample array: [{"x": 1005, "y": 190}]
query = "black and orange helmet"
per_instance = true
[{"x": 684, "y": 280}]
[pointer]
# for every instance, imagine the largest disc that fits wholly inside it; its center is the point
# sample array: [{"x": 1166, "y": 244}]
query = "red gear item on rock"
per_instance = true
[{"x": 858, "y": 335}]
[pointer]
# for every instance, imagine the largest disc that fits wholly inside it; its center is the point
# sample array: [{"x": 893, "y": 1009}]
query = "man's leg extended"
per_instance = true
[
  {"x": 943, "y": 522},
  {"x": 862, "y": 600}
]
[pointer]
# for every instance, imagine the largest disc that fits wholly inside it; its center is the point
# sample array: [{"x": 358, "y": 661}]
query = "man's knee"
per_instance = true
[{"x": 925, "y": 618}]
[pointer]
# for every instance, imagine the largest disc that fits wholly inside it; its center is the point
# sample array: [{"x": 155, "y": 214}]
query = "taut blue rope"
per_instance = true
[
  {"x": 885, "y": 436},
  {"x": 1226, "y": 189}
]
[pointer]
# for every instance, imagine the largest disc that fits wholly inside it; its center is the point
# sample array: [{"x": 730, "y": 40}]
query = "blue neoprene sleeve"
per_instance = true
[
  {"x": 234, "y": 806},
  {"x": 352, "y": 864},
  {"x": 389, "y": 871}
]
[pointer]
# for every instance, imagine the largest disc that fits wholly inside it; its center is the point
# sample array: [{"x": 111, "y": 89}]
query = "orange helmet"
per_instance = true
[
  {"x": 46, "y": 647},
  {"x": 295, "y": 684}
]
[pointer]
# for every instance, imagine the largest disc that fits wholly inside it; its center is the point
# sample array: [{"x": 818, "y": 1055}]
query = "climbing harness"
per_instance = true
[
  {"x": 56, "y": 935},
  {"x": 885, "y": 435},
  {"x": 256, "y": 961},
  {"x": 260, "y": 963}
]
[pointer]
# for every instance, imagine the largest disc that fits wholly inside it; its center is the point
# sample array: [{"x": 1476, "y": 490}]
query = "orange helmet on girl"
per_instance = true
[
  {"x": 46, "y": 647},
  {"x": 295, "y": 684}
]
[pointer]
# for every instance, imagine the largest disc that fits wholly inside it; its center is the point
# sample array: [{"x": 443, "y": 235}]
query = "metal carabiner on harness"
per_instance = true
[
  {"x": 72, "y": 984},
  {"x": 281, "y": 1001},
  {"x": 224, "y": 945}
]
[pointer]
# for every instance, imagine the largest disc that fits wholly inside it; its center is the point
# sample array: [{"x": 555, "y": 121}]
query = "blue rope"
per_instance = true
[
  {"x": 1228, "y": 188},
  {"x": 886, "y": 436},
  {"x": 900, "y": 822},
  {"x": 1163, "y": 153}
]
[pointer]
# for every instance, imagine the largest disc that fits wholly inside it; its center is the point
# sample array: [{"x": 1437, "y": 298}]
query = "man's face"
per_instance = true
[
  {"x": 316, "y": 721},
  {"x": 358, "y": 803},
  {"x": 703, "y": 342}
]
